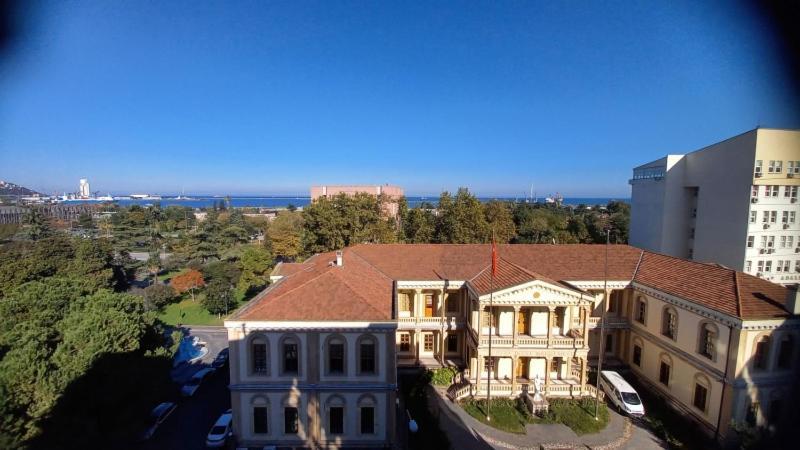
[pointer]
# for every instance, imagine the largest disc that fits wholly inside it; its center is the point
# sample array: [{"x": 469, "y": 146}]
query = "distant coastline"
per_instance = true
[{"x": 206, "y": 201}]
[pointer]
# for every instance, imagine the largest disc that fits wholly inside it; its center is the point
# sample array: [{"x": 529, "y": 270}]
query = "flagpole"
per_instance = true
[{"x": 491, "y": 319}]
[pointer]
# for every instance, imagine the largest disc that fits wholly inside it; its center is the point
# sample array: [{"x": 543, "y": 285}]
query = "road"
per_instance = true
[{"x": 187, "y": 427}]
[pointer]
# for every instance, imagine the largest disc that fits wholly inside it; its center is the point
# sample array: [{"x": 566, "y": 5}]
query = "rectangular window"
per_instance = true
[
  {"x": 771, "y": 168},
  {"x": 773, "y": 216},
  {"x": 786, "y": 265},
  {"x": 663, "y": 373},
  {"x": 428, "y": 305},
  {"x": 609, "y": 343},
  {"x": 367, "y": 420},
  {"x": 405, "y": 342},
  {"x": 770, "y": 241},
  {"x": 783, "y": 241},
  {"x": 754, "y": 191},
  {"x": 367, "y": 357},
  {"x": 637, "y": 355},
  {"x": 451, "y": 302},
  {"x": 763, "y": 242},
  {"x": 290, "y": 358},
  {"x": 707, "y": 343},
  {"x": 336, "y": 358},
  {"x": 750, "y": 241},
  {"x": 760, "y": 266},
  {"x": 260, "y": 425},
  {"x": 452, "y": 343},
  {"x": 762, "y": 352},
  {"x": 778, "y": 166},
  {"x": 405, "y": 302},
  {"x": 759, "y": 166},
  {"x": 767, "y": 266},
  {"x": 785, "y": 217},
  {"x": 789, "y": 241},
  {"x": 753, "y": 216},
  {"x": 428, "y": 344},
  {"x": 792, "y": 191},
  {"x": 260, "y": 358},
  {"x": 748, "y": 265},
  {"x": 792, "y": 216},
  {"x": 700, "y": 394},
  {"x": 641, "y": 309},
  {"x": 668, "y": 328},
  {"x": 772, "y": 191},
  {"x": 290, "y": 417},
  {"x": 336, "y": 417}
]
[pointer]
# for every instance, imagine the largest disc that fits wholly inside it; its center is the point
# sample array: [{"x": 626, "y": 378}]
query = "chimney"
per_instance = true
[
  {"x": 793, "y": 299},
  {"x": 339, "y": 259}
]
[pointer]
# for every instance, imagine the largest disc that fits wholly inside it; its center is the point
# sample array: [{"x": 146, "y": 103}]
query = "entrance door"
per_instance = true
[
  {"x": 428, "y": 305},
  {"x": 521, "y": 325}
]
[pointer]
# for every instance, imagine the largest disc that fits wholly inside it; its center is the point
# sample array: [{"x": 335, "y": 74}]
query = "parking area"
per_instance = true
[{"x": 187, "y": 427}]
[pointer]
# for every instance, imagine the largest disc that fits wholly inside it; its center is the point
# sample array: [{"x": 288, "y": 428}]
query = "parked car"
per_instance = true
[
  {"x": 193, "y": 384},
  {"x": 156, "y": 418},
  {"x": 220, "y": 431},
  {"x": 221, "y": 359},
  {"x": 620, "y": 394}
]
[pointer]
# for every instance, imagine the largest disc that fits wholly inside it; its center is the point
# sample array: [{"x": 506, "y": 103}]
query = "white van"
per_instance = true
[{"x": 621, "y": 394}]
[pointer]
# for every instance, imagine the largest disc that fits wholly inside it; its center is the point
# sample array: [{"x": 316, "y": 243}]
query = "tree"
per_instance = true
[
  {"x": 419, "y": 226},
  {"x": 157, "y": 296},
  {"x": 285, "y": 234},
  {"x": 188, "y": 280},
  {"x": 255, "y": 263},
  {"x": 461, "y": 219},
  {"x": 500, "y": 220},
  {"x": 85, "y": 221},
  {"x": 218, "y": 297},
  {"x": 36, "y": 225}
]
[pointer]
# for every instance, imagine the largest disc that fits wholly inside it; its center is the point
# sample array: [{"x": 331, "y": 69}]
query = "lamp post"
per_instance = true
[{"x": 602, "y": 327}]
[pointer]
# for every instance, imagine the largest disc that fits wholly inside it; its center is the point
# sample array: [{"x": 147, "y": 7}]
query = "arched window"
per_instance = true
[
  {"x": 761, "y": 353},
  {"x": 290, "y": 355},
  {"x": 669, "y": 322},
  {"x": 702, "y": 391},
  {"x": 335, "y": 355},
  {"x": 366, "y": 412},
  {"x": 641, "y": 310},
  {"x": 638, "y": 348},
  {"x": 291, "y": 414},
  {"x": 335, "y": 412},
  {"x": 260, "y": 406},
  {"x": 786, "y": 351},
  {"x": 665, "y": 369},
  {"x": 707, "y": 340},
  {"x": 367, "y": 348},
  {"x": 259, "y": 355}
]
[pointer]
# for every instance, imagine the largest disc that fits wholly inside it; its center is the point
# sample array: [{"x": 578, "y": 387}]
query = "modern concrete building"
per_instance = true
[
  {"x": 734, "y": 203},
  {"x": 314, "y": 358},
  {"x": 392, "y": 194}
]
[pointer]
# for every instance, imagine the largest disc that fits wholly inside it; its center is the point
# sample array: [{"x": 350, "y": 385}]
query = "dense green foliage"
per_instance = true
[
  {"x": 78, "y": 361},
  {"x": 334, "y": 223},
  {"x": 442, "y": 376},
  {"x": 512, "y": 415}
]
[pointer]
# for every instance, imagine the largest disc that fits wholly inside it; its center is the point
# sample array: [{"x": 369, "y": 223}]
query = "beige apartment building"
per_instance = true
[
  {"x": 718, "y": 345},
  {"x": 734, "y": 203},
  {"x": 392, "y": 193}
]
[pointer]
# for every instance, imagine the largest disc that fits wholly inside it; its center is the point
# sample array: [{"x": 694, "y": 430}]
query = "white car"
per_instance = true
[
  {"x": 156, "y": 418},
  {"x": 220, "y": 431},
  {"x": 191, "y": 386},
  {"x": 621, "y": 394}
]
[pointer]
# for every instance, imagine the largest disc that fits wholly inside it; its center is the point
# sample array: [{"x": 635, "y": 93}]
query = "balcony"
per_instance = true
[
  {"x": 528, "y": 341},
  {"x": 563, "y": 387},
  {"x": 431, "y": 322},
  {"x": 612, "y": 321}
]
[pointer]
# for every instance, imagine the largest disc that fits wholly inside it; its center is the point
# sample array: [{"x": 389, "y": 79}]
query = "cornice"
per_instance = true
[{"x": 703, "y": 311}]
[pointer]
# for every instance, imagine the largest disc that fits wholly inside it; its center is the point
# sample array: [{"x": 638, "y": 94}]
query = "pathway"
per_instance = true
[{"x": 466, "y": 432}]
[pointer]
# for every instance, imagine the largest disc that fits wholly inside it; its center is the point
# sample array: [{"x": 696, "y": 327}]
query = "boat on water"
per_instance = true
[{"x": 145, "y": 197}]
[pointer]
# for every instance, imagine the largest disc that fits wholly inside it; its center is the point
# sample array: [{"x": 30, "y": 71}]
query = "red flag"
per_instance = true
[{"x": 494, "y": 258}]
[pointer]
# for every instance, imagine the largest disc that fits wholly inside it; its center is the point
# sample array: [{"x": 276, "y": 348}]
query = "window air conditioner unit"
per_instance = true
[
  {"x": 759, "y": 274},
  {"x": 786, "y": 226},
  {"x": 766, "y": 226},
  {"x": 762, "y": 251},
  {"x": 789, "y": 175},
  {"x": 772, "y": 250},
  {"x": 759, "y": 174},
  {"x": 794, "y": 200},
  {"x": 754, "y": 200},
  {"x": 797, "y": 250}
]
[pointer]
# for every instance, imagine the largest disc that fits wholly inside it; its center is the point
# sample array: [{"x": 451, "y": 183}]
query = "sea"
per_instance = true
[{"x": 299, "y": 202}]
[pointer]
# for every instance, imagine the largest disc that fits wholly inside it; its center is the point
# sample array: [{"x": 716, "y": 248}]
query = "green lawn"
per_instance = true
[
  {"x": 510, "y": 415},
  {"x": 188, "y": 312}
]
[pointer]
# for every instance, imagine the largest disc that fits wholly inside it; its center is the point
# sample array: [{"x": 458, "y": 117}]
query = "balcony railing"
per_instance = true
[
  {"x": 431, "y": 321},
  {"x": 523, "y": 341}
]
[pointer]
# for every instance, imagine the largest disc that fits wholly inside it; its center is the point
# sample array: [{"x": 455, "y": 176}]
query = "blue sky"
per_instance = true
[{"x": 271, "y": 97}]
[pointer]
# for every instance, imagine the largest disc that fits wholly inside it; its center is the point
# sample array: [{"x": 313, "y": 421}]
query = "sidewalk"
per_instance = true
[{"x": 466, "y": 432}]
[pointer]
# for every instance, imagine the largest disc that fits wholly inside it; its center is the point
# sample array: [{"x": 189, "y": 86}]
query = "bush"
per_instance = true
[
  {"x": 442, "y": 376},
  {"x": 158, "y": 295}
]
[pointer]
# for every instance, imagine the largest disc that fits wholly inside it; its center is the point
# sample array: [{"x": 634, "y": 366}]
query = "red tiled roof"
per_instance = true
[
  {"x": 362, "y": 288},
  {"x": 284, "y": 269},
  {"x": 719, "y": 288}
]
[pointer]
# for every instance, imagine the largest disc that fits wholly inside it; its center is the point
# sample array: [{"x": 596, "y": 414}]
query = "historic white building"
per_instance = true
[
  {"x": 734, "y": 203},
  {"x": 314, "y": 357}
]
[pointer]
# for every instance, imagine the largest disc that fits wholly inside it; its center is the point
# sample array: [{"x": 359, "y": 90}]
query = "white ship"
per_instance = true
[{"x": 145, "y": 197}]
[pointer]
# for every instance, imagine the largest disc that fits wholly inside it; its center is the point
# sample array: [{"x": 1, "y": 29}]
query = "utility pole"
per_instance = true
[{"x": 602, "y": 327}]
